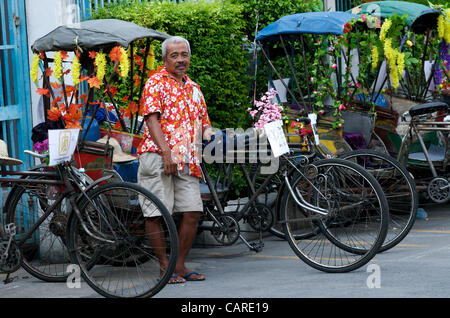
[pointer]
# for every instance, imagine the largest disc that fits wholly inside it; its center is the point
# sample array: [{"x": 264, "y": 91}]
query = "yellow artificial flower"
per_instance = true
[
  {"x": 35, "y": 67},
  {"x": 151, "y": 58},
  {"x": 76, "y": 70},
  {"x": 400, "y": 63},
  {"x": 100, "y": 62},
  {"x": 124, "y": 63},
  {"x": 388, "y": 51},
  {"x": 374, "y": 57},
  {"x": 409, "y": 43},
  {"x": 384, "y": 28},
  {"x": 57, "y": 60},
  {"x": 441, "y": 26},
  {"x": 394, "y": 75},
  {"x": 447, "y": 26}
]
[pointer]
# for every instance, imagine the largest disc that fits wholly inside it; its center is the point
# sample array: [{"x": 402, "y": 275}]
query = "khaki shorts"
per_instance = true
[{"x": 180, "y": 192}]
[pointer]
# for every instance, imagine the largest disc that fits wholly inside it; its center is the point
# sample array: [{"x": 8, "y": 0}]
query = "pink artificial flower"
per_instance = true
[
  {"x": 334, "y": 66},
  {"x": 363, "y": 17},
  {"x": 342, "y": 107}
]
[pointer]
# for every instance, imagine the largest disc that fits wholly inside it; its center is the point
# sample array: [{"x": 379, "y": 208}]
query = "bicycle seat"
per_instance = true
[
  {"x": 428, "y": 108},
  {"x": 232, "y": 145},
  {"x": 304, "y": 120}
]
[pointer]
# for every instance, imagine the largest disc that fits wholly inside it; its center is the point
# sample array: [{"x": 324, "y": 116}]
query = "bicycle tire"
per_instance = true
[
  {"x": 45, "y": 255},
  {"x": 393, "y": 177},
  {"x": 126, "y": 267},
  {"x": 357, "y": 209}
]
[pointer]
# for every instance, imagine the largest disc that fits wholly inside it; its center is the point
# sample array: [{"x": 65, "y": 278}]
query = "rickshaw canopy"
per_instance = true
[
  {"x": 420, "y": 17},
  {"x": 94, "y": 34},
  {"x": 310, "y": 22}
]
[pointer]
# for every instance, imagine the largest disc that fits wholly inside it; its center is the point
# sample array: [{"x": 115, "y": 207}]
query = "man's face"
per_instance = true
[{"x": 177, "y": 59}]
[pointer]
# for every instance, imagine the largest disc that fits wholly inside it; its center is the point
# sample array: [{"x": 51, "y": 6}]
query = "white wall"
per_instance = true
[
  {"x": 329, "y": 5},
  {"x": 42, "y": 17}
]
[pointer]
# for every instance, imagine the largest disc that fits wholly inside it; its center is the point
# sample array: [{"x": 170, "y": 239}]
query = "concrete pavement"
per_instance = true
[{"x": 417, "y": 267}]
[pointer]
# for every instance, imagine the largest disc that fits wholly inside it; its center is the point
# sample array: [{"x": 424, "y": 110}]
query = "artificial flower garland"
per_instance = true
[
  {"x": 57, "y": 60},
  {"x": 443, "y": 26},
  {"x": 124, "y": 62},
  {"x": 151, "y": 58},
  {"x": 76, "y": 70},
  {"x": 394, "y": 57},
  {"x": 35, "y": 68},
  {"x": 374, "y": 57},
  {"x": 100, "y": 63}
]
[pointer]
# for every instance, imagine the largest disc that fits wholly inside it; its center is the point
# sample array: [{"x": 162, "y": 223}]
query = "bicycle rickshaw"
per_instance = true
[
  {"x": 420, "y": 140},
  {"x": 64, "y": 214},
  {"x": 319, "y": 59}
]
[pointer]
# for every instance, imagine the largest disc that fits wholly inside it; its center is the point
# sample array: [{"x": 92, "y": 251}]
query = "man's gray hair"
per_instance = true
[{"x": 174, "y": 40}]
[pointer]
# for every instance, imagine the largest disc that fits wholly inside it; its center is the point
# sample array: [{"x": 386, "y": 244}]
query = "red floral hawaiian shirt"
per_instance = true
[{"x": 183, "y": 117}]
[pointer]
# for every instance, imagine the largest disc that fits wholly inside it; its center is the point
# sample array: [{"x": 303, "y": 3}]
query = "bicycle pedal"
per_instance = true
[
  {"x": 257, "y": 247},
  {"x": 10, "y": 229}
]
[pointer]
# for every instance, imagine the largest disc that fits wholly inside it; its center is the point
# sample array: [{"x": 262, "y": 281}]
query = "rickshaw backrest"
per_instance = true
[{"x": 358, "y": 123}]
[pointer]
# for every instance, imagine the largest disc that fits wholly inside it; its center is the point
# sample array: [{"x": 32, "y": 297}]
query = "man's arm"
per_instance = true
[
  {"x": 208, "y": 132},
  {"x": 154, "y": 127}
]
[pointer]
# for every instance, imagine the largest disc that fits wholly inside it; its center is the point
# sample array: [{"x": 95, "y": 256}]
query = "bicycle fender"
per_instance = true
[
  {"x": 80, "y": 196},
  {"x": 94, "y": 184}
]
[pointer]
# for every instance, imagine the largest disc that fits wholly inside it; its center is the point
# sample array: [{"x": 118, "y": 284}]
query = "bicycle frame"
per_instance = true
[
  {"x": 415, "y": 127},
  {"x": 54, "y": 178},
  {"x": 256, "y": 193}
]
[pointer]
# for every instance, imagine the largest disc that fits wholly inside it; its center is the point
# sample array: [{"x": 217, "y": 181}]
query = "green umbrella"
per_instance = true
[{"x": 419, "y": 16}]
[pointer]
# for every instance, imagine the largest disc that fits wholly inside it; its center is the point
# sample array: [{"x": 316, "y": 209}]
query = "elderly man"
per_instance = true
[{"x": 175, "y": 115}]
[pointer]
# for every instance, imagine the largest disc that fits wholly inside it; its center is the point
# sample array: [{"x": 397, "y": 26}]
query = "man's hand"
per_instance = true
[
  {"x": 170, "y": 167},
  {"x": 154, "y": 126},
  {"x": 208, "y": 133}
]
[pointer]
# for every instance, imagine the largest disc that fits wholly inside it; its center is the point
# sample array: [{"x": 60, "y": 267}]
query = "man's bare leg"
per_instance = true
[
  {"x": 186, "y": 236},
  {"x": 157, "y": 242}
]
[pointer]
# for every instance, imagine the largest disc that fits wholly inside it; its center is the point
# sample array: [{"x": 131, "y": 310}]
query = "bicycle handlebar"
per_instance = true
[
  {"x": 304, "y": 120},
  {"x": 35, "y": 154}
]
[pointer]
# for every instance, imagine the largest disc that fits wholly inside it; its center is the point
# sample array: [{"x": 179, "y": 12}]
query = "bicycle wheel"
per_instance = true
[
  {"x": 355, "y": 222},
  {"x": 112, "y": 244},
  {"x": 399, "y": 189},
  {"x": 45, "y": 254}
]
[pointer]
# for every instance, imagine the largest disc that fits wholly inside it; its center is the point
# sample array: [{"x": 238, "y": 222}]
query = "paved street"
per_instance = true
[{"x": 417, "y": 267}]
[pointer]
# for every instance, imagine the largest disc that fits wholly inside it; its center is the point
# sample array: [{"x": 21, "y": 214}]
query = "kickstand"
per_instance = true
[
  {"x": 9, "y": 280},
  {"x": 254, "y": 246}
]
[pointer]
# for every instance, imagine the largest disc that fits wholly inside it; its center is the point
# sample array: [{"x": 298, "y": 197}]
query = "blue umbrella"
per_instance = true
[{"x": 310, "y": 22}]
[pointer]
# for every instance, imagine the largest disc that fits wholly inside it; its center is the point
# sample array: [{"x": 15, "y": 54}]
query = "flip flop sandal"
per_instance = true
[
  {"x": 174, "y": 280},
  {"x": 188, "y": 277}
]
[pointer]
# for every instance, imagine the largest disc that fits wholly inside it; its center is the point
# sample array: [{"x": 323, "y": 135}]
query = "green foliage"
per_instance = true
[
  {"x": 218, "y": 63},
  {"x": 429, "y": 3},
  {"x": 268, "y": 11}
]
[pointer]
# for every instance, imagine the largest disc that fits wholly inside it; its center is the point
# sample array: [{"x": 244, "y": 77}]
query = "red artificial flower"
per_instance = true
[{"x": 347, "y": 27}]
